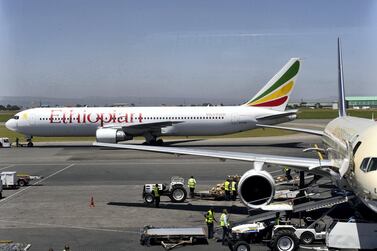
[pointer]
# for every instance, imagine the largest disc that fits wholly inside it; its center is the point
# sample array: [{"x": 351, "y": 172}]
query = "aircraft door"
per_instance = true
[{"x": 235, "y": 118}]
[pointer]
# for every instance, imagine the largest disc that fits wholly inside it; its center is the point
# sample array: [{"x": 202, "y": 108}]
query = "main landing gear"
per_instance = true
[
  {"x": 29, "y": 141},
  {"x": 153, "y": 141}
]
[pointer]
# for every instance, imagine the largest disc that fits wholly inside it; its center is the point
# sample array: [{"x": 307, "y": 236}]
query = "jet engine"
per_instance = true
[
  {"x": 256, "y": 188},
  {"x": 111, "y": 135}
]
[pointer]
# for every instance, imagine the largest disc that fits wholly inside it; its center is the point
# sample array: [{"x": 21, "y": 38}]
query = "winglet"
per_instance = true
[{"x": 342, "y": 100}]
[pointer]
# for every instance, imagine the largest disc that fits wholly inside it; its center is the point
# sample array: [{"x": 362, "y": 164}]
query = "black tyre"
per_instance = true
[
  {"x": 284, "y": 240},
  {"x": 30, "y": 144},
  {"x": 1, "y": 195},
  {"x": 241, "y": 246},
  {"x": 307, "y": 238},
  {"x": 149, "y": 198},
  {"x": 21, "y": 183},
  {"x": 178, "y": 194},
  {"x": 159, "y": 142}
]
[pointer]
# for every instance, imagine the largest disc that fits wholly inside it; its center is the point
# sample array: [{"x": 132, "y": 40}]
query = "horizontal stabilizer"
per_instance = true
[
  {"x": 277, "y": 116},
  {"x": 309, "y": 131}
]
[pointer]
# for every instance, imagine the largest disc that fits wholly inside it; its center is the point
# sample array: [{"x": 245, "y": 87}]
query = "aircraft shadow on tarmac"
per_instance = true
[{"x": 186, "y": 207}]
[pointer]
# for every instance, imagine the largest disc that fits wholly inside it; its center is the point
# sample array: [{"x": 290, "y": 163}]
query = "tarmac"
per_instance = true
[{"x": 56, "y": 210}]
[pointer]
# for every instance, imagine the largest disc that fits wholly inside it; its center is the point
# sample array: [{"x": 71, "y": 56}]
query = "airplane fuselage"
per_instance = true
[
  {"x": 361, "y": 135},
  {"x": 186, "y": 121}
]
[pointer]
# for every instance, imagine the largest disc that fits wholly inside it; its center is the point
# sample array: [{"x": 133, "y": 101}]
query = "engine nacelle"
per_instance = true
[
  {"x": 111, "y": 135},
  {"x": 256, "y": 188}
]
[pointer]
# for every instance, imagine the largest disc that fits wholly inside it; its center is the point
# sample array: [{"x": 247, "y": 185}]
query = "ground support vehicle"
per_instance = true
[
  {"x": 239, "y": 237},
  {"x": 175, "y": 190},
  {"x": 9, "y": 179},
  {"x": 10, "y": 245},
  {"x": 170, "y": 238},
  {"x": 24, "y": 179},
  {"x": 12, "y": 179},
  {"x": 5, "y": 143}
]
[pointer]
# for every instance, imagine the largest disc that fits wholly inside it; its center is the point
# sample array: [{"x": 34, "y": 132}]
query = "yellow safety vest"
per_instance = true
[
  {"x": 222, "y": 220},
  {"x": 226, "y": 185},
  {"x": 234, "y": 186},
  {"x": 277, "y": 221},
  {"x": 209, "y": 217},
  {"x": 156, "y": 192},
  {"x": 191, "y": 183},
  {"x": 285, "y": 169}
]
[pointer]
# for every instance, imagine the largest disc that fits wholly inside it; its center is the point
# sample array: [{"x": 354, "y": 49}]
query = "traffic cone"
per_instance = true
[{"x": 91, "y": 202}]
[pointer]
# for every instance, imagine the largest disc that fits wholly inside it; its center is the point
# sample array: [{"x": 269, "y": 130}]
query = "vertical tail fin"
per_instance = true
[
  {"x": 342, "y": 100},
  {"x": 275, "y": 94}
]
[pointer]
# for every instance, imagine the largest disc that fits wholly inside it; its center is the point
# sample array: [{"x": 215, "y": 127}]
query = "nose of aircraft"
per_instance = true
[{"x": 11, "y": 124}]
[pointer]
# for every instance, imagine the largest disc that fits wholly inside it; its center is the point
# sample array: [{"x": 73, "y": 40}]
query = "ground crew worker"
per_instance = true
[
  {"x": 224, "y": 223},
  {"x": 277, "y": 218},
  {"x": 156, "y": 193},
  {"x": 66, "y": 248},
  {"x": 227, "y": 189},
  {"x": 233, "y": 186},
  {"x": 191, "y": 183},
  {"x": 17, "y": 142},
  {"x": 287, "y": 173},
  {"x": 210, "y": 218}
]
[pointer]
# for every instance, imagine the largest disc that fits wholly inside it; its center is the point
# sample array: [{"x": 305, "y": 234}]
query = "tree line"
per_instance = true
[{"x": 9, "y": 108}]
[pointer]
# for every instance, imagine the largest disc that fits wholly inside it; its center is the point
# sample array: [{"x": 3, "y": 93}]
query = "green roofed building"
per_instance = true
[{"x": 362, "y": 101}]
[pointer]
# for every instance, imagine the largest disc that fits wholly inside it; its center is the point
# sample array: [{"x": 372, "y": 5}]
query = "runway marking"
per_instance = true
[
  {"x": 7, "y": 167},
  {"x": 2, "y": 202},
  {"x": 69, "y": 226}
]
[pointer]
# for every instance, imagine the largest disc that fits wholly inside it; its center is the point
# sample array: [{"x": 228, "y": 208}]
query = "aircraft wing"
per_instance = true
[
  {"x": 309, "y": 131},
  {"x": 304, "y": 164},
  {"x": 143, "y": 126}
]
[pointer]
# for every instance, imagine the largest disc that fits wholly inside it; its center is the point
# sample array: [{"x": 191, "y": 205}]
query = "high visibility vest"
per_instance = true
[
  {"x": 209, "y": 217},
  {"x": 156, "y": 193},
  {"x": 224, "y": 220},
  {"x": 285, "y": 169},
  {"x": 226, "y": 185},
  {"x": 191, "y": 183},
  {"x": 234, "y": 186},
  {"x": 277, "y": 221}
]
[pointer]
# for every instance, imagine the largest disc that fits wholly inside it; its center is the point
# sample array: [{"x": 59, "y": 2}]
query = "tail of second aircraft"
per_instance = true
[{"x": 275, "y": 94}]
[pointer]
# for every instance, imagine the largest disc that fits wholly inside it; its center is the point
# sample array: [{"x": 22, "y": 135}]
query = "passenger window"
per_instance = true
[
  {"x": 364, "y": 164},
  {"x": 372, "y": 165}
]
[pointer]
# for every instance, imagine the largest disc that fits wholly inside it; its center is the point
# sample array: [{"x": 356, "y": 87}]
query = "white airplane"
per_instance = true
[
  {"x": 112, "y": 125},
  {"x": 351, "y": 147}
]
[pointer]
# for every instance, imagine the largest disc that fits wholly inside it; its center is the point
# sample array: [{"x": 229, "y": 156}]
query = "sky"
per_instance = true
[{"x": 197, "y": 48}]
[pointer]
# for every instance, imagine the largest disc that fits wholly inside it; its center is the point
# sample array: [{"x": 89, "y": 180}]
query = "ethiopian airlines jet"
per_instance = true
[{"x": 114, "y": 124}]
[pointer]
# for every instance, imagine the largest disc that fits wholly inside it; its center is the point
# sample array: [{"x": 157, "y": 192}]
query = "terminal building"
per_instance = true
[{"x": 361, "y": 102}]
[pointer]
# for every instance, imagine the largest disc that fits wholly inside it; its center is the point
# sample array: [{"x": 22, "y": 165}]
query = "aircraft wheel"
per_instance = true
[
  {"x": 159, "y": 142},
  {"x": 30, "y": 144}
]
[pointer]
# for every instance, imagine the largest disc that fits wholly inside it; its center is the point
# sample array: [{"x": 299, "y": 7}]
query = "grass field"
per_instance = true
[
  {"x": 331, "y": 114},
  {"x": 4, "y": 116}
]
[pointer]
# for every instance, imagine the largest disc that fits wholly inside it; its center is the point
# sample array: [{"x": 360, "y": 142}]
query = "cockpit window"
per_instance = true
[
  {"x": 16, "y": 117},
  {"x": 372, "y": 166},
  {"x": 364, "y": 164}
]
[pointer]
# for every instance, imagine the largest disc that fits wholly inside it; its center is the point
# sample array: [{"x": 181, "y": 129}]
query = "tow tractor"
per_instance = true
[
  {"x": 175, "y": 190},
  {"x": 277, "y": 237}
]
